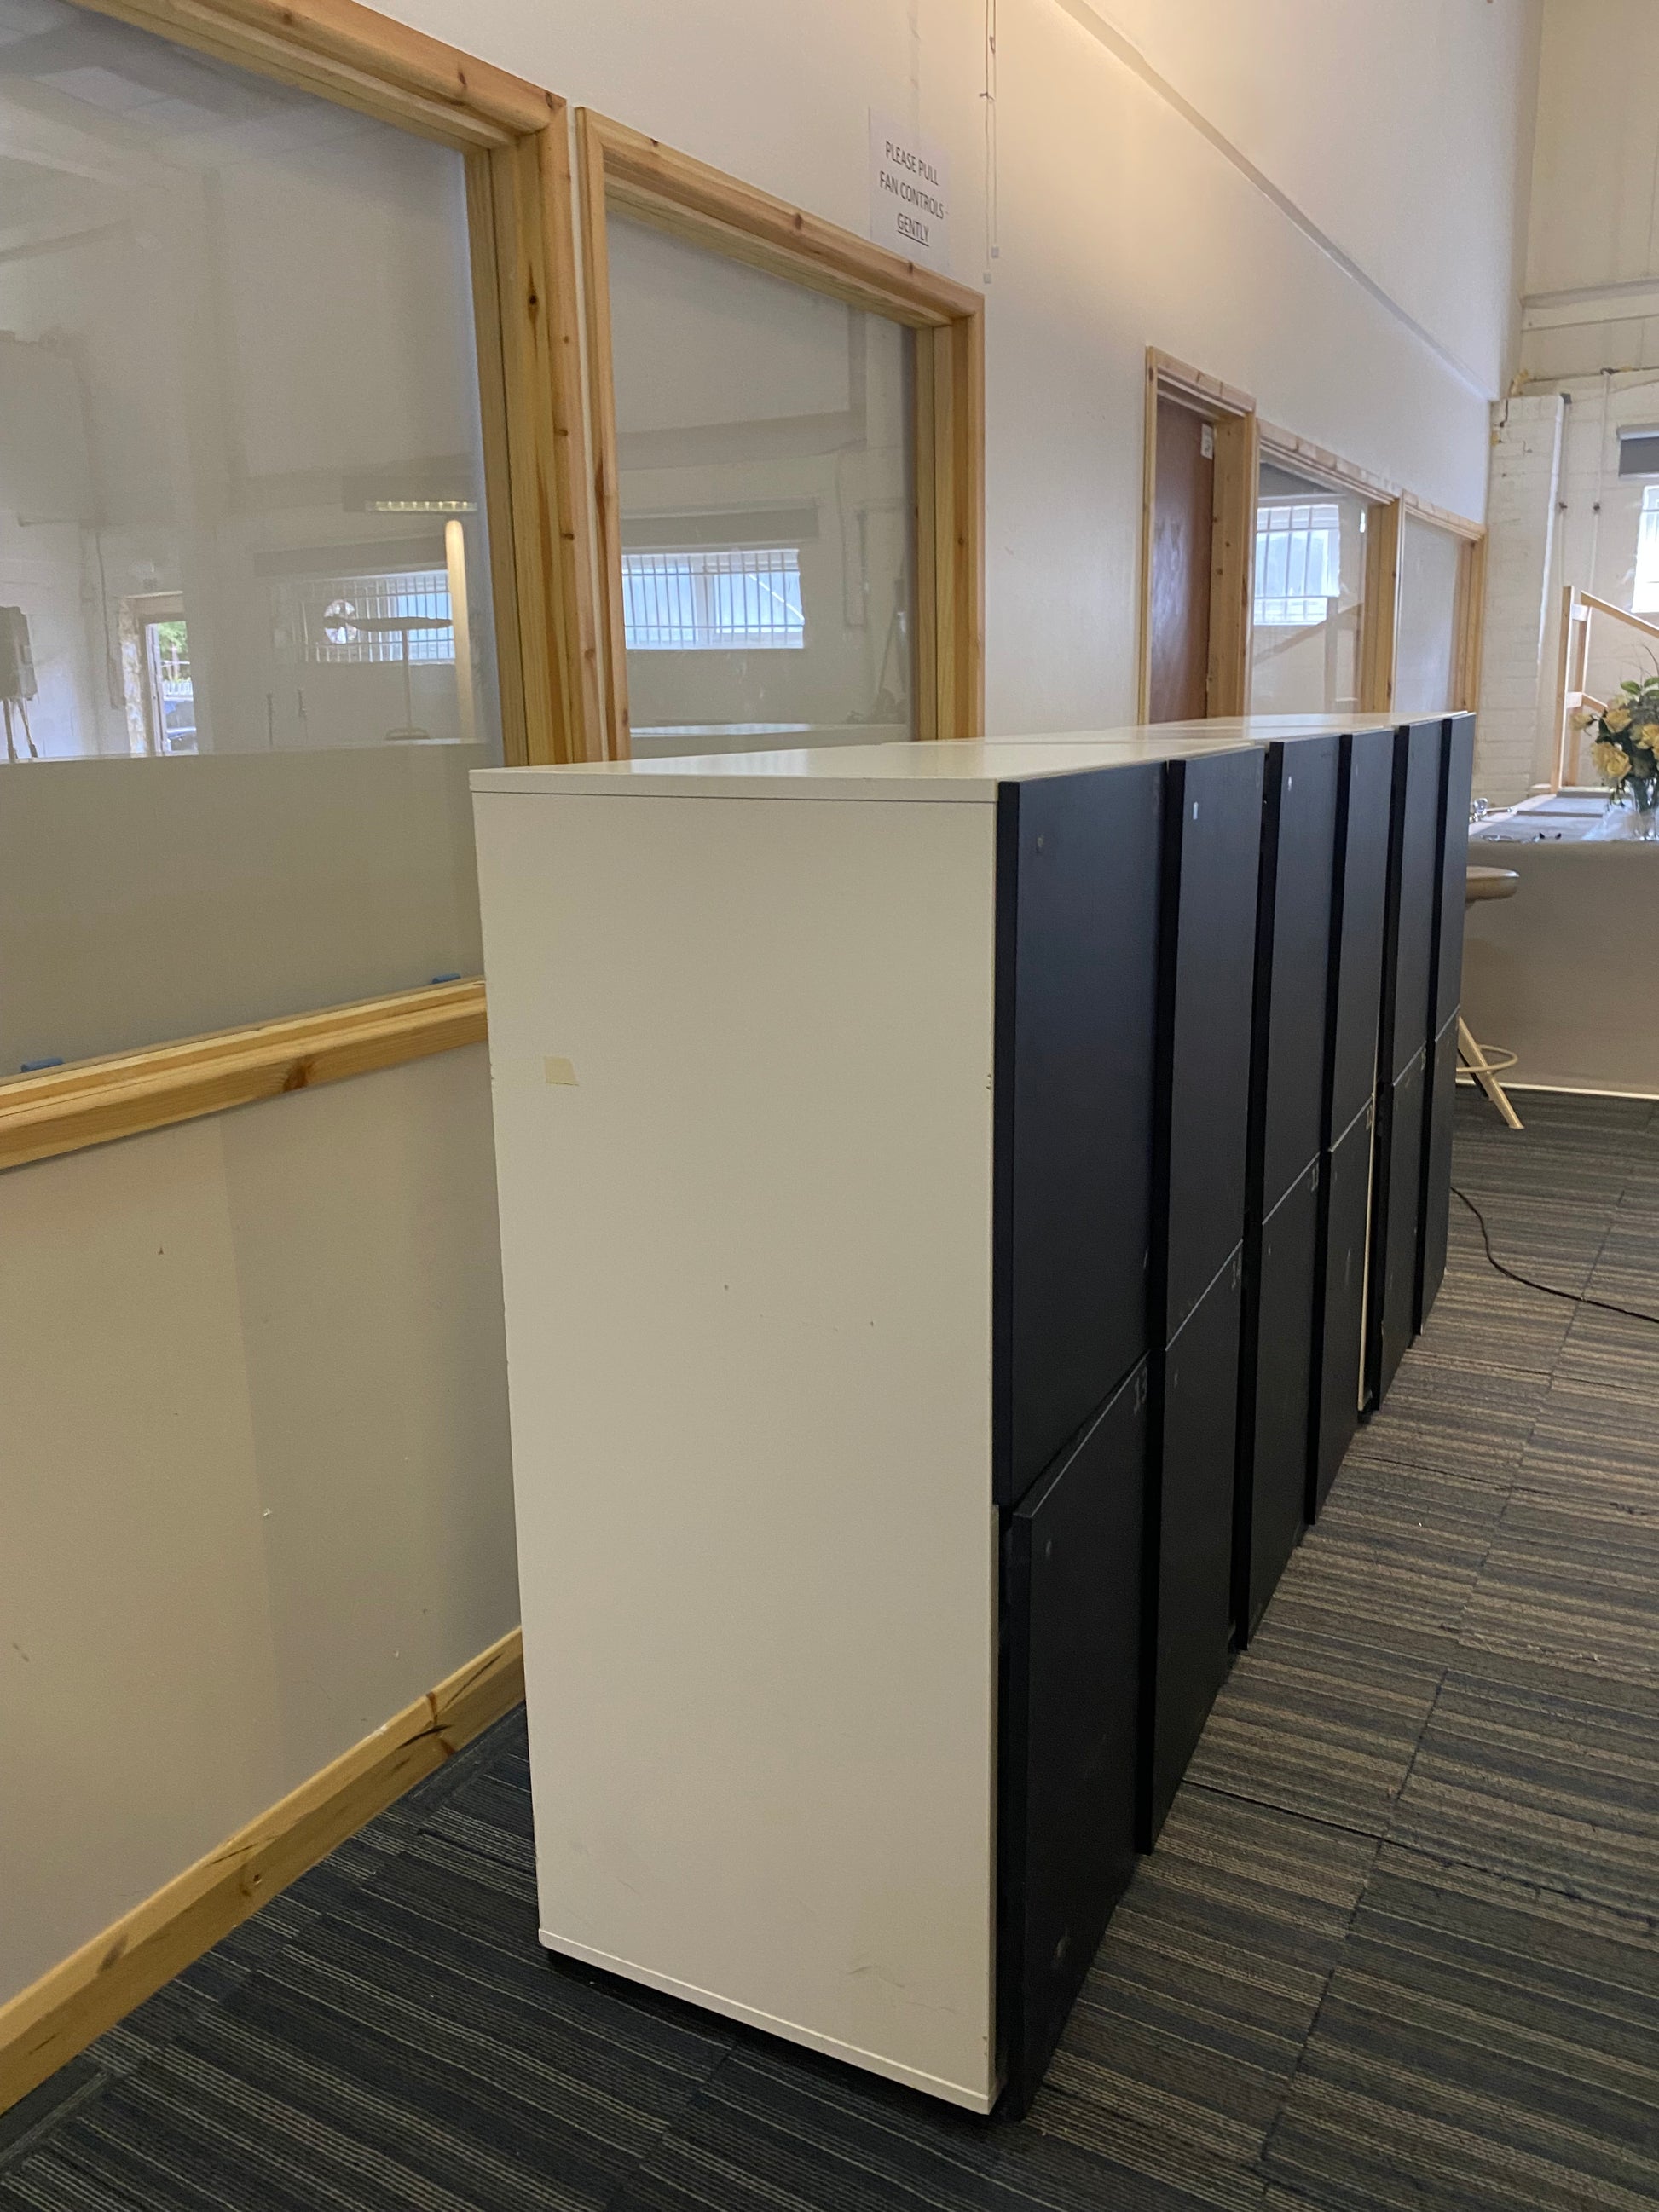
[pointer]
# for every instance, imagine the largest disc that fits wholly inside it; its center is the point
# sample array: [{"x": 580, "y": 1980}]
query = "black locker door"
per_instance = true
[
  {"x": 1340, "y": 1309},
  {"x": 1415, "y": 869},
  {"x": 1437, "y": 1171},
  {"x": 1212, "y": 849},
  {"x": 1188, "y": 1640},
  {"x": 1395, "y": 1226},
  {"x": 1366, "y": 791},
  {"x": 1070, "y": 1714},
  {"x": 1077, "y": 864},
  {"x": 1275, "y": 1403},
  {"x": 1459, "y": 771},
  {"x": 1294, "y": 949}
]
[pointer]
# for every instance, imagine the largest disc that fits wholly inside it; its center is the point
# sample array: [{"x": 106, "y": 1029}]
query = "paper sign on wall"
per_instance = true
[{"x": 910, "y": 194}]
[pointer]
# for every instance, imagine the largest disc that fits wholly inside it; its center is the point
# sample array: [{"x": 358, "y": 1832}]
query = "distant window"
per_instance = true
[
  {"x": 404, "y": 616},
  {"x": 713, "y": 599},
  {"x": 1299, "y": 562},
  {"x": 1638, "y": 453},
  {"x": 172, "y": 693},
  {"x": 1644, "y": 597}
]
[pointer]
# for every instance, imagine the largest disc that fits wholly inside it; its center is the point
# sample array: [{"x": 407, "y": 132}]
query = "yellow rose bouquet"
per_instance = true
[{"x": 1626, "y": 748}]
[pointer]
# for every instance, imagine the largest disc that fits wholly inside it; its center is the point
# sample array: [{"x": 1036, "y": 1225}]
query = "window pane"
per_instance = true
[
  {"x": 249, "y": 658},
  {"x": 1309, "y": 590},
  {"x": 763, "y": 440},
  {"x": 1644, "y": 594},
  {"x": 1425, "y": 664}
]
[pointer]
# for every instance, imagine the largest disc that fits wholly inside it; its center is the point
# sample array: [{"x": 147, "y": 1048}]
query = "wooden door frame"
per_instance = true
[
  {"x": 1232, "y": 415},
  {"x": 639, "y": 176},
  {"x": 515, "y": 139}
]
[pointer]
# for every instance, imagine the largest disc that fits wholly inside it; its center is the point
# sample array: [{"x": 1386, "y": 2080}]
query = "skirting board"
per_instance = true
[{"x": 72, "y": 2003}]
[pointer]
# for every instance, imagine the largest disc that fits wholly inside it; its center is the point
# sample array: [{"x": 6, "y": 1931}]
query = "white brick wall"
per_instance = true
[{"x": 1514, "y": 737}]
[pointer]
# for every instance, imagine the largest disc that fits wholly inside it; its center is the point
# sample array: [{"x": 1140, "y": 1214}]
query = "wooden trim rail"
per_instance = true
[
  {"x": 64, "y": 1109},
  {"x": 45, "y": 2025},
  {"x": 624, "y": 171}
]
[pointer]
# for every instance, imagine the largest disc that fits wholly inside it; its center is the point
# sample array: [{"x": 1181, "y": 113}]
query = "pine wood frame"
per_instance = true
[
  {"x": 1470, "y": 617},
  {"x": 1385, "y": 522},
  {"x": 43, "y": 2027},
  {"x": 1232, "y": 416},
  {"x": 640, "y": 178},
  {"x": 515, "y": 140}
]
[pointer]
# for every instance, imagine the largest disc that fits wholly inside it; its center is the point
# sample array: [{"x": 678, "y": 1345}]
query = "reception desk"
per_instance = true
[{"x": 914, "y": 1161}]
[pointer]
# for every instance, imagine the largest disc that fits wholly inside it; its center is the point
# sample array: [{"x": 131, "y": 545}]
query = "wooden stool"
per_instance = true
[{"x": 1487, "y": 883}]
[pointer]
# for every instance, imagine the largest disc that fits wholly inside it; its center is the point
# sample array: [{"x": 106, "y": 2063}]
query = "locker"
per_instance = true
[
  {"x": 1415, "y": 872},
  {"x": 1072, "y": 1637},
  {"x": 1293, "y": 943},
  {"x": 1340, "y": 1300},
  {"x": 1275, "y": 1398},
  {"x": 1358, "y": 922},
  {"x": 1211, "y": 847},
  {"x": 1440, "y": 1106},
  {"x": 1459, "y": 773},
  {"x": 1077, "y": 904},
  {"x": 1396, "y": 1221},
  {"x": 1188, "y": 1643}
]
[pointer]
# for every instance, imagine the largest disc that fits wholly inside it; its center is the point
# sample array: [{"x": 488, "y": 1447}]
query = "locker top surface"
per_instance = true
[{"x": 958, "y": 769}]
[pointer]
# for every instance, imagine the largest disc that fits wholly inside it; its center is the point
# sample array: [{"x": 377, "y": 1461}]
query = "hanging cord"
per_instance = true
[
  {"x": 993, "y": 213},
  {"x": 1573, "y": 1298}
]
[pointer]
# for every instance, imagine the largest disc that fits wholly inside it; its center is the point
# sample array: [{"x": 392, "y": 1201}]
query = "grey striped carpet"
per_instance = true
[{"x": 1399, "y": 1946}]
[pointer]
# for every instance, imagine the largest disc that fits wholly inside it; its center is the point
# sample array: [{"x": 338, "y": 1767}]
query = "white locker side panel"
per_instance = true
[{"x": 742, "y": 1064}]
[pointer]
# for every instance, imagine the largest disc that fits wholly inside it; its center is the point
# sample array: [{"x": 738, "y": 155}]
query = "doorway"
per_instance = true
[
  {"x": 1183, "y": 509},
  {"x": 1199, "y": 506}
]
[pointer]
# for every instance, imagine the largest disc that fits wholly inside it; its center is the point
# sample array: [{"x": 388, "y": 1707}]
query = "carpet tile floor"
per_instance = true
[{"x": 1397, "y": 1950}]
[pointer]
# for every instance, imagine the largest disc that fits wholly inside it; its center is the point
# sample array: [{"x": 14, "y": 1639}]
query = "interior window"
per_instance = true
[
  {"x": 1426, "y": 650},
  {"x": 1309, "y": 596},
  {"x": 764, "y": 449},
  {"x": 246, "y": 651}
]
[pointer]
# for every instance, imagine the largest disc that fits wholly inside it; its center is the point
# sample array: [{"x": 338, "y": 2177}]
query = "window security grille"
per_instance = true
[
  {"x": 712, "y": 599},
  {"x": 333, "y": 619},
  {"x": 1298, "y": 561}
]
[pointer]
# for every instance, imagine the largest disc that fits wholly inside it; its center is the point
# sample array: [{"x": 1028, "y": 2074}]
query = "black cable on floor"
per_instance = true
[{"x": 1550, "y": 1290}]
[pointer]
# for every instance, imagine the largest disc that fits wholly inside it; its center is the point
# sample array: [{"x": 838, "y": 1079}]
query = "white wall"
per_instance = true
[
  {"x": 1595, "y": 191},
  {"x": 256, "y": 1494},
  {"x": 1590, "y": 353},
  {"x": 296, "y": 1310},
  {"x": 1400, "y": 133},
  {"x": 1514, "y": 740}
]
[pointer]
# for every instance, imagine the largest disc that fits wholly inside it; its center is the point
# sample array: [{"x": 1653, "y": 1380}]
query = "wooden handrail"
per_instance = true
[
  {"x": 62, "y": 1109},
  {"x": 1620, "y": 614}
]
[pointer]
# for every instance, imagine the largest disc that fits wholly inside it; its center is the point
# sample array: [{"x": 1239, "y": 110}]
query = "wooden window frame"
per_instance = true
[
  {"x": 640, "y": 178},
  {"x": 515, "y": 139},
  {"x": 1232, "y": 416},
  {"x": 1380, "y": 610},
  {"x": 1469, "y": 619}
]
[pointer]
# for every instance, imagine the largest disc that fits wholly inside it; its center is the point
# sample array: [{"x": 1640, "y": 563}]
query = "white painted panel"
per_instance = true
[
  {"x": 747, "y": 1252},
  {"x": 254, "y": 1488}
]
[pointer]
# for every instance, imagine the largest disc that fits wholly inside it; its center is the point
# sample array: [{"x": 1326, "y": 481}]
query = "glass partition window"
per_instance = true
[
  {"x": 764, "y": 458},
  {"x": 243, "y": 565},
  {"x": 1309, "y": 596},
  {"x": 1426, "y": 645}
]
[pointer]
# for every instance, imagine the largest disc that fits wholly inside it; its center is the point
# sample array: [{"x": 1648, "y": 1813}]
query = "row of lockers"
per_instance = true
[{"x": 1228, "y": 987}]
